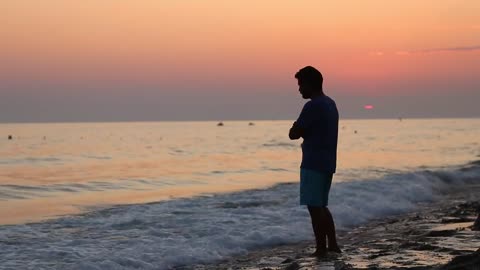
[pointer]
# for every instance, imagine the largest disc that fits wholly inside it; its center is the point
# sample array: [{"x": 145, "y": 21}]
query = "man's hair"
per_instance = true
[{"x": 310, "y": 76}]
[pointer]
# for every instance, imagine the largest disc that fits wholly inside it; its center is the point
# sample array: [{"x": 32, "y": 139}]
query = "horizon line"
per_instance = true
[{"x": 234, "y": 120}]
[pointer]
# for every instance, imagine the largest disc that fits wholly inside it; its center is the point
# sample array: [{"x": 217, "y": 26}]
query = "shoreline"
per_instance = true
[{"x": 429, "y": 238}]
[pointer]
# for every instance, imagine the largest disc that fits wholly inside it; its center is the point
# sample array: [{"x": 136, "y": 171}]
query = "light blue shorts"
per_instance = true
[{"x": 314, "y": 187}]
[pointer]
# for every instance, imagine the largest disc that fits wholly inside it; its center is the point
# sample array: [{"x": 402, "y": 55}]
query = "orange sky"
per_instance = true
[{"x": 372, "y": 47}]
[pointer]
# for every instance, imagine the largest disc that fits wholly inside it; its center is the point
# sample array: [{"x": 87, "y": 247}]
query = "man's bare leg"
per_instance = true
[
  {"x": 319, "y": 231},
  {"x": 330, "y": 230}
]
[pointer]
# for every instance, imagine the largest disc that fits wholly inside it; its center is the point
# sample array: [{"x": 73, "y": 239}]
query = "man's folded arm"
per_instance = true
[{"x": 296, "y": 132}]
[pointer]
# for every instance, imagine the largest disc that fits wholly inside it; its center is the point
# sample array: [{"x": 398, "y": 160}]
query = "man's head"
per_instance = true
[{"x": 310, "y": 82}]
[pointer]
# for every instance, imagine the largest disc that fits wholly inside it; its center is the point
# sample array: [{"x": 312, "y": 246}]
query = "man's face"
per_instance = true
[{"x": 305, "y": 89}]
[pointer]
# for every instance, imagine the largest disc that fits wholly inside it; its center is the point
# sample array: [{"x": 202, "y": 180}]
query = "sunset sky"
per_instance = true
[{"x": 139, "y": 60}]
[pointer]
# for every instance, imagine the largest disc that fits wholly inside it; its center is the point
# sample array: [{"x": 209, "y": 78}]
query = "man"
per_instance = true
[{"x": 318, "y": 126}]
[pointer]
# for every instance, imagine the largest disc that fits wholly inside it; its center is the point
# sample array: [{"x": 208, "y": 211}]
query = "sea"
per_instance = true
[{"x": 164, "y": 195}]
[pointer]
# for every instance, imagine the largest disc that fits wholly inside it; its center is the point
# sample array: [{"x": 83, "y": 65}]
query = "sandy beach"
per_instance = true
[{"x": 437, "y": 236}]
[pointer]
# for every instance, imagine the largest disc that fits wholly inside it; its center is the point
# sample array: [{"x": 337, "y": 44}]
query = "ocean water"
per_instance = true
[{"x": 157, "y": 195}]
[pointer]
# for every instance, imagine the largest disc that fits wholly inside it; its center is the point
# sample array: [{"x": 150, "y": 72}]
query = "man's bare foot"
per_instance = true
[
  {"x": 335, "y": 249},
  {"x": 319, "y": 253}
]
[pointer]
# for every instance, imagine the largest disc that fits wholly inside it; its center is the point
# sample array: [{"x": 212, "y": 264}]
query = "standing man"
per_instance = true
[{"x": 318, "y": 126}]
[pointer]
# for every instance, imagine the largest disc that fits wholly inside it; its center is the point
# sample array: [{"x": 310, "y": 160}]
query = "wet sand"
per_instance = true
[{"x": 436, "y": 236}]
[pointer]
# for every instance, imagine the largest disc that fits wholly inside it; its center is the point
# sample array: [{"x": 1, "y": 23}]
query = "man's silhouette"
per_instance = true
[{"x": 318, "y": 126}]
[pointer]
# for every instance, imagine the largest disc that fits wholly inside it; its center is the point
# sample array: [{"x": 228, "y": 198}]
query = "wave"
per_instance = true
[
  {"x": 208, "y": 228},
  {"x": 31, "y": 160},
  {"x": 10, "y": 192}
]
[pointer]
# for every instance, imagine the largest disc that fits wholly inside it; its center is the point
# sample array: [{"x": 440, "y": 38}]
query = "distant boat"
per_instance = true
[
  {"x": 220, "y": 124},
  {"x": 251, "y": 124}
]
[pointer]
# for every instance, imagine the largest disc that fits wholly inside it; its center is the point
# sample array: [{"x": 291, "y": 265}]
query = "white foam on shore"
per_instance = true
[{"x": 209, "y": 228}]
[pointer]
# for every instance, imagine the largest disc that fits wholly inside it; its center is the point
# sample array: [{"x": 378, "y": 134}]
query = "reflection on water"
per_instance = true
[{"x": 55, "y": 169}]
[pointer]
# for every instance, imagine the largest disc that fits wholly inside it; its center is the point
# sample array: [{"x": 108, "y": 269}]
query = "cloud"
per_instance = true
[
  {"x": 402, "y": 53},
  {"x": 441, "y": 50},
  {"x": 376, "y": 53}
]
